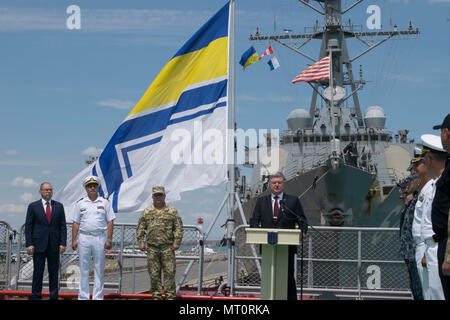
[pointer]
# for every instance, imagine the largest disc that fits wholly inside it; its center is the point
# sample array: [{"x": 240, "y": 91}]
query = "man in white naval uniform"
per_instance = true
[
  {"x": 422, "y": 231},
  {"x": 93, "y": 222}
]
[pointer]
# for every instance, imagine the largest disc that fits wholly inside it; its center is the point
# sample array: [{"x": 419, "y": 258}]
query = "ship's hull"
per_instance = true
[
  {"x": 347, "y": 197},
  {"x": 341, "y": 196}
]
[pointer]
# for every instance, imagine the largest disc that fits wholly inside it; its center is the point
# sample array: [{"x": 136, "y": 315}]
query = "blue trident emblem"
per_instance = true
[{"x": 272, "y": 238}]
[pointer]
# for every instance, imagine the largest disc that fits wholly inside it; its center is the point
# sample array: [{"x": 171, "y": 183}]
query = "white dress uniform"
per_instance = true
[
  {"x": 422, "y": 232},
  {"x": 93, "y": 218}
]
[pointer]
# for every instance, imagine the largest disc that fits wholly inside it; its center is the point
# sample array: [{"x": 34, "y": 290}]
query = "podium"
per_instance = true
[{"x": 275, "y": 249}]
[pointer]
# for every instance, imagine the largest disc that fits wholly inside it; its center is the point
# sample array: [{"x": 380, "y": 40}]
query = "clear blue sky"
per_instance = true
[{"x": 65, "y": 91}]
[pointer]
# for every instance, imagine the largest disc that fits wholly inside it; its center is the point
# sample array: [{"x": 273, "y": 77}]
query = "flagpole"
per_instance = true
[
  {"x": 231, "y": 168},
  {"x": 333, "y": 126}
]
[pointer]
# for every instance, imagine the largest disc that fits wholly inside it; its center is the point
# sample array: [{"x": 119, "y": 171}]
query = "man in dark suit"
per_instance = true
[
  {"x": 45, "y": 238},
  {"x": 440, "y": 214},
  {"x": 279, "y": 210}
]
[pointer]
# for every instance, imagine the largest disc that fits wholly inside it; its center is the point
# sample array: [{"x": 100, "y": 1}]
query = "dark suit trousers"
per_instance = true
[
  {"x": 292, "y": 288},
  {"x": 445, "y": 280},
  {"x": 39, "y": 258}
]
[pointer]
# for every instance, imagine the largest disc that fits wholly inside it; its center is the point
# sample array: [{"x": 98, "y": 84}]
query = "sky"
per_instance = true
[{"x": 64, "y": 92}]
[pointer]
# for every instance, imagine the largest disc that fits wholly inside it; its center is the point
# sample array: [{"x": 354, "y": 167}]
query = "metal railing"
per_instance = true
[
  {"x": 357, "y": 263},
  {"x": 124, "y": 261},
  {"x": 6, "y": 255},
  {"x": 347, "y": 262}
]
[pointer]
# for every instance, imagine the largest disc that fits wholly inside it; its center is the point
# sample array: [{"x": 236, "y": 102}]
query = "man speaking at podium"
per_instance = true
[{"x": 279, "y": 210}]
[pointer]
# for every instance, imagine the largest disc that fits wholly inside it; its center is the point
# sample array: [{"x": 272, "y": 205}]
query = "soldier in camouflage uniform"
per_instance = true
[{"x": 159, "y": 232}]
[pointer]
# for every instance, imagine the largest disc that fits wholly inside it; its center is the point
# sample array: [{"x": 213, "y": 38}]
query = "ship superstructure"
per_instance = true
[{"x": 342, "y": 164}]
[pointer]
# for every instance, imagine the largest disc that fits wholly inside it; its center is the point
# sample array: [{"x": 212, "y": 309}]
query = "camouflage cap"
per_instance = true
[
  {"x": 158, "y": 189},
  {"x": 414, "y": 161},
  {"x": 404, "y": 183}
]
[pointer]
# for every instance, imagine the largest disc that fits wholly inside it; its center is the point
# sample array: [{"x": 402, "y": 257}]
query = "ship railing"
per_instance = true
[
  {"x": 359, "y": 263},
  {"x": 390, "y": 175},
  {"x": 396, "y": 174},
  {"x": 125, "y": 264},
  {"x": 315, "y": 160},
  {"x": 6, "y": 254}
]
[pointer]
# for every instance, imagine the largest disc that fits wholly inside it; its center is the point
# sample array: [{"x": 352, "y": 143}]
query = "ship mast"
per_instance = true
[
  {"x": 333, "y": 35},
  {"x": 231, "y": 150}
]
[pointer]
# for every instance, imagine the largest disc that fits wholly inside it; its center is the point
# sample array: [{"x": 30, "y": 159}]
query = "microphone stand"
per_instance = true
[{"x": 302, "y": 226}]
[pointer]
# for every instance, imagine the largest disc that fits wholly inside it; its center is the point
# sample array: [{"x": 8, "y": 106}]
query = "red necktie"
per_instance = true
[
  {"x": 48, "y": 212},
  {"x": 275, "y": 209}
]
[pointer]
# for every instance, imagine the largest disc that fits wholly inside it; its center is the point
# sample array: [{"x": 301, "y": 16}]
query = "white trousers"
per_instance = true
[
  {"x": 429, "y": 276},
  {"x": 91, "y": 245}
]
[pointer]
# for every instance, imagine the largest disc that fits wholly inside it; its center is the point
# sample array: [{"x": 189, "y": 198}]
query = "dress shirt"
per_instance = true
[
  {"x": 44, "y": 203},
  {"x": 280, "y": 197},
  {"x": 93, "y": 216}
]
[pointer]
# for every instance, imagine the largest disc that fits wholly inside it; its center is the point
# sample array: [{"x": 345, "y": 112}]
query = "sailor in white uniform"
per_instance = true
[
  {"x": 426, "y": 247},
  {"x": 93, "y": 223}
]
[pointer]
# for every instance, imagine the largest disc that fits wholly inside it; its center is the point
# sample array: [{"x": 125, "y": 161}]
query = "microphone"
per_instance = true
[{"x": 301, "y": 220}]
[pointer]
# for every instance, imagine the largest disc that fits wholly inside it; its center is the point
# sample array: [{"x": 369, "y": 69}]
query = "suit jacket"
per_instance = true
[
  {"x": 287, "y": 217},
  {"x": 41, "y": 234}
]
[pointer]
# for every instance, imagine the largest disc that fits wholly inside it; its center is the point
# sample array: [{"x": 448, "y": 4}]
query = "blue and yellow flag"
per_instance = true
[
  {"x": 249, "y": 57},
  {"x": 166, "y": 138}
]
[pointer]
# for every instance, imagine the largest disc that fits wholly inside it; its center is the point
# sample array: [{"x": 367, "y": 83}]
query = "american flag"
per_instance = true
[{"x": 318, "y": 71}]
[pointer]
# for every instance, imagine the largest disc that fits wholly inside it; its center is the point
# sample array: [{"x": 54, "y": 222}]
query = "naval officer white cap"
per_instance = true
[
  {"x": 90, "y": 180},
  {"x": 431, "y": 142}
]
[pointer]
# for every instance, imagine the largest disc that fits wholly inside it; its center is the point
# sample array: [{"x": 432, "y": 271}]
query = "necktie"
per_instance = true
[
  {"x": 275, "y": 209},
  {"x": 47, "y": 211}
]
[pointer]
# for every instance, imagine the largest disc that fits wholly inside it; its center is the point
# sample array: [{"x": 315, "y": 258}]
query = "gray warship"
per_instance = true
[{"x": 342, "y": 165}]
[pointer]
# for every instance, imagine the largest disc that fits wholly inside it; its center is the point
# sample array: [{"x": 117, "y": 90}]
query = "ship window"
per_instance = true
[
  {"x": 383, "y": 137},
  {"x": 326, "y": 139},
  {"x": 345, "y": 138},
  {"x": 365, "y": 137},
  {"x": 358, "y": 137},
  {"x": 387, "y": 190},
  {"x": 374, "y": 137},
  {"x": 305, "y": 139},
  {"x": 311, "y": 139},
  {"x": 296, "y": 139}
]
